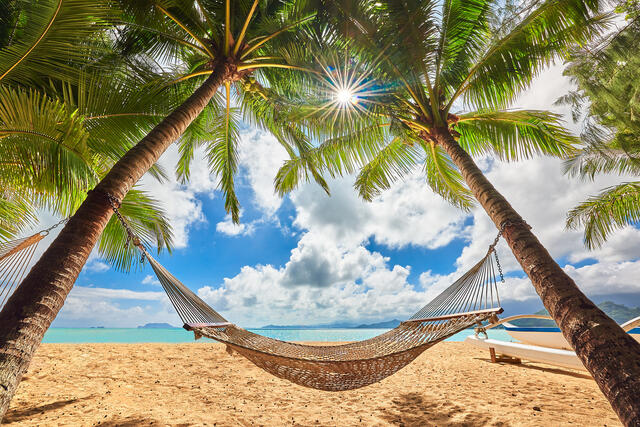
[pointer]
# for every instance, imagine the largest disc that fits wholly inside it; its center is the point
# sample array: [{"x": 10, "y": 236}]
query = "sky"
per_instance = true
[{"x": 312, "y": 259}]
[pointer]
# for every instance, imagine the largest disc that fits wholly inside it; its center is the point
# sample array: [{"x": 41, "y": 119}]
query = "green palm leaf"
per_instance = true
[
  {"x": 50, "y": 36},
  {"x": 147, "y": 220},
  {"x": 394, "y": 161},
  {"x": 601, "y": 215},
  {"x": 515, "y": 135},
  {"x": 509, "y": 64}
]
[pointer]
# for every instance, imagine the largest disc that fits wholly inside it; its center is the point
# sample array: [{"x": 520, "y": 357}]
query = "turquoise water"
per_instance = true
[{"x": 99, "y": 335}]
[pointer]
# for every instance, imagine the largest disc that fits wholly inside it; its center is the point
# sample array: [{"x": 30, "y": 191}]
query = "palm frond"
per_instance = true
[
  {"x": 612, "y": 209},
  {"x": 515, "y": 134},
  {"x": 43, "y": 144},
  {"x": 222, "y": 154},
  {"x": 148, "y": 221},
  {"x": 509, "y": 64},
  {"x": 394, "y": 161},
  {"x": 599, "y": 158},
  {"x": 51, "y": 36},
  {"x": 444, "y": 178}
]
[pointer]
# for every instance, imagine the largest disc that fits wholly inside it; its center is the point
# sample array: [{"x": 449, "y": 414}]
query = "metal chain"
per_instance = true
[
  {"x": 492, "y": 247},
  {"x": 46, "y": 231},
  {"x": 495, "y": 253},
  {"x": 131, "y": 235}
]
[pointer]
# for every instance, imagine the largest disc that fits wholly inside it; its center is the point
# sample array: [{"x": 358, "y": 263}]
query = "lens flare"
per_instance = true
[{"x": 345, "y": 96}]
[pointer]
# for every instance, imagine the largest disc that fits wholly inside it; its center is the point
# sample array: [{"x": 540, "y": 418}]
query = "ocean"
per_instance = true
[{"x": 144, "y": 335}]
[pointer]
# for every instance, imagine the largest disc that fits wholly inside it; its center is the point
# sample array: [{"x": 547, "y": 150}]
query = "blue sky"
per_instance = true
[{"x": 309, "y": 258}]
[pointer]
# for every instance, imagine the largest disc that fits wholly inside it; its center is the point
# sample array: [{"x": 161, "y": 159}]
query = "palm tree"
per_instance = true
[
  {"x": 52, "y": 150},
  {"x": 607, "y": 100},
  {"x": 224, "y": 43},
  {"x": 410, "y": 66}
]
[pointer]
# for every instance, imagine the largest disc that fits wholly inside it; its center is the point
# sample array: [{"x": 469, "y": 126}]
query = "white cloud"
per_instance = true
[
  {"x": 180, "y": 201},
  {"x": 407, "y": 214},
  {"x": 96, "y": 266},
  {"x": 150, "y": 280},
  {"x": 230, "y": 229},
  {"x": 261, "y": 155},
  {"x": 89, "y": 306}
]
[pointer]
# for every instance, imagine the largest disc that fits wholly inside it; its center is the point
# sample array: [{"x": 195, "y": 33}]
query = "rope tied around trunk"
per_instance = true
[{"x": 131, "y": 234}]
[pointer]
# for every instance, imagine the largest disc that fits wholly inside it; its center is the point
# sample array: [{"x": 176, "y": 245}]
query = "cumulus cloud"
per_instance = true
[
  {"x": 230, "y": 229},
  {"x": 95, "y": 306},
  {"x": 96, "y": 266},
  {"x": 407, "y": 214},
  {"x": 260, "y": 155},
  {"x": 180, "y": 201},
  {"x": 262, "y": 294},
  {"x": 150, "y": 280}
]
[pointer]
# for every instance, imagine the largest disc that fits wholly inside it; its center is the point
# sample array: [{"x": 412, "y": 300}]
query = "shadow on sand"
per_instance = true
[
  {"x": 22, "y": 414},
  {"x": 412, "y": 409}
]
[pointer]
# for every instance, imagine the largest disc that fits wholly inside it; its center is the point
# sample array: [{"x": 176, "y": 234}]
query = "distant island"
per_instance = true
[
  {"x": 618, "y": 312},
  {"x": 157, "y": 326},
  {"x": 389, "y": 324}
]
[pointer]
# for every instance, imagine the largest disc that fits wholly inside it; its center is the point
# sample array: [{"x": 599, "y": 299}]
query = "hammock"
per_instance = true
[
  {"x": 15, "y": 257},
  {"x": 470, "y": 300}
]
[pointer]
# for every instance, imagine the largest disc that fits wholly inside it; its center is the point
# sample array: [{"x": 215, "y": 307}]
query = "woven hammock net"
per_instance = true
[
  {"x": 471, "y": 299},
  {"x": 15, "y": 256}
]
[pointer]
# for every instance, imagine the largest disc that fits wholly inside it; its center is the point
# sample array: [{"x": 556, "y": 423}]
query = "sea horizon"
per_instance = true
[{"x": 97, "y": 335}]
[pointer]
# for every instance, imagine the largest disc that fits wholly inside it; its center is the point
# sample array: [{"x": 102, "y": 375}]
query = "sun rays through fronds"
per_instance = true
[{"x": 347, "y": 87}]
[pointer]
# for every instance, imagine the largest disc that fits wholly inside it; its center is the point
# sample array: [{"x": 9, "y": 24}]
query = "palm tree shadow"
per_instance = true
[
  {"x": 411, "y": 409},
  {"x": 17, "y": 415},
  {"x": 130, "y": 422}
]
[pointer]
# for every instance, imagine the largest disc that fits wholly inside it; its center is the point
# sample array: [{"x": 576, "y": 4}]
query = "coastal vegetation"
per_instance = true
[
  {"x": 607, "y": 102},
  {"x": 94, "y": 92}
]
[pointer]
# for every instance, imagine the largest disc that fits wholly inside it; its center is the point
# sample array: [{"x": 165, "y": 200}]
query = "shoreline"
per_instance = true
[{"x": 200, "y": 384}]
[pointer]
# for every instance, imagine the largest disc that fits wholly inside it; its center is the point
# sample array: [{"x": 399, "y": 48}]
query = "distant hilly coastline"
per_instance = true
[
  {"x": 618, "y": 312},
  {"x": 379, "y": 325},
  {"x": 157, "y": 326}
]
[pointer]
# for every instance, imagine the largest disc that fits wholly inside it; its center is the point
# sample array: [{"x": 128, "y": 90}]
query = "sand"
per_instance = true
[{"x": 200, "y": 384}]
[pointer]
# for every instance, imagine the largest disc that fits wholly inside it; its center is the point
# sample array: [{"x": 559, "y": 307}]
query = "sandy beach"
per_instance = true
[{"x": 200, "y": 384}]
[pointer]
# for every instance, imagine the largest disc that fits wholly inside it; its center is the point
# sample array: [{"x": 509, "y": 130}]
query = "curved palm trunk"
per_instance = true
[
  {"x": 609, "y": 354},
  {"x": 34, "y": 305}
]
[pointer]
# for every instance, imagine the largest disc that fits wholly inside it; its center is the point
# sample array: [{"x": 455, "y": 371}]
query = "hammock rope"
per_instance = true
[
  {"x": 470, "y": 300},
  {"x": 15, "y": 258}
]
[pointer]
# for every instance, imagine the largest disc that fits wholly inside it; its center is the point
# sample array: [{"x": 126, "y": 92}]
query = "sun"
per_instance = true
[{"x": 345, "y": 96}]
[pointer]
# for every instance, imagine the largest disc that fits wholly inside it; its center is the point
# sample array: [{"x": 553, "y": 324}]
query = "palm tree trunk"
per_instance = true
[
  {"x": 34, "y": 305},
  {"x": 609, "y": 354}
]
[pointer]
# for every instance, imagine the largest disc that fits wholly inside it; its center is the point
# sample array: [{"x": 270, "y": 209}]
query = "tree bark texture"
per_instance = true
[
  {"x": 609, "y": 354},
  {"x": 36, "y": 302}
]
